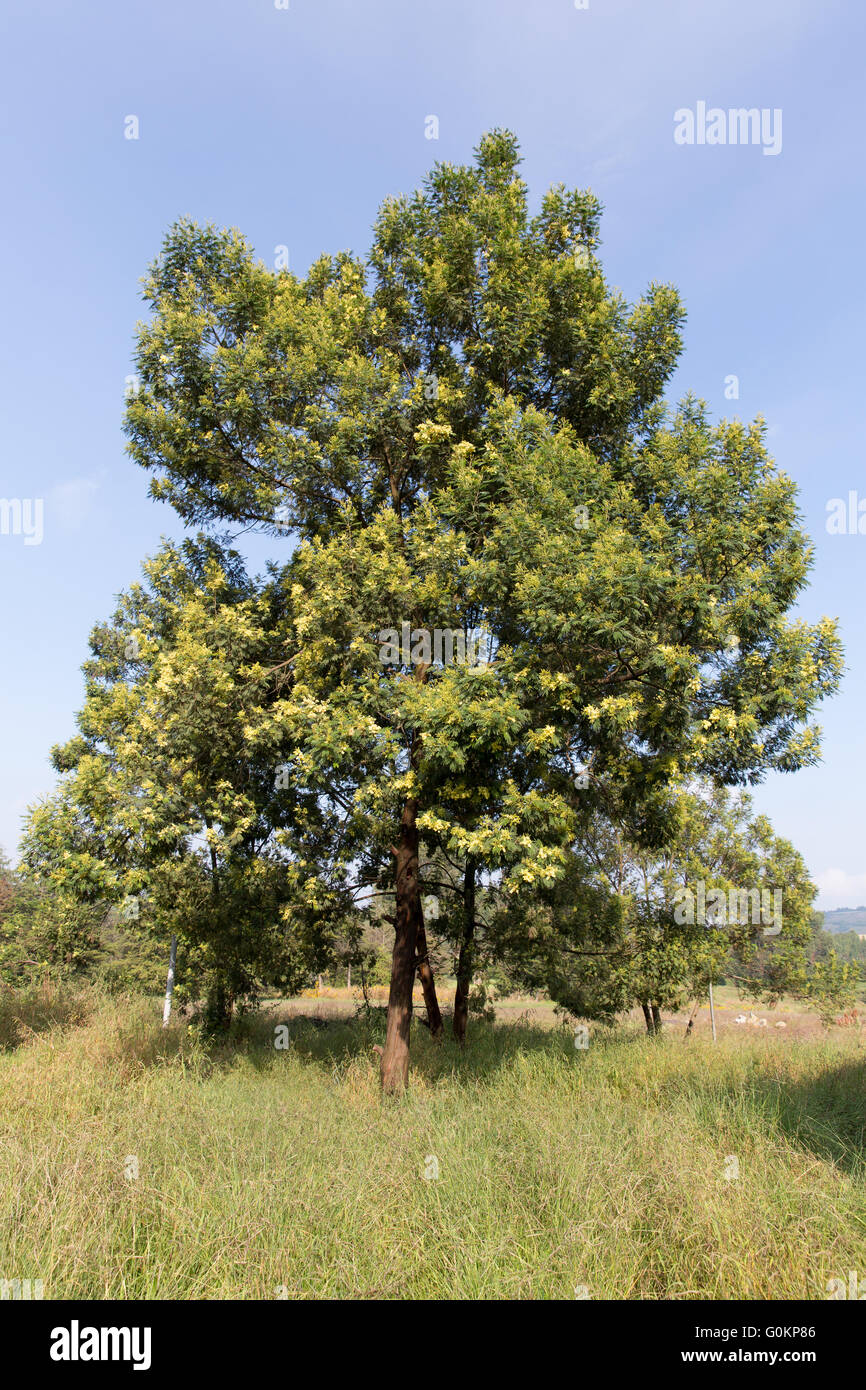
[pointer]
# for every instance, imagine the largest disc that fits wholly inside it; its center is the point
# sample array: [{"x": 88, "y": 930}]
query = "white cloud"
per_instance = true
[{"x": 838, "y": 888}]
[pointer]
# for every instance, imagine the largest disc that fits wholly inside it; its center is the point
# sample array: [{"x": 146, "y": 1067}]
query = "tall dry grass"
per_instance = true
[{"x": 525, "y": 1168}]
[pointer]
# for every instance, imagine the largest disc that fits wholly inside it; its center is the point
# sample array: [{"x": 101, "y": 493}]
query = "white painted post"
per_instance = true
[{"x": 169, "y": 987}]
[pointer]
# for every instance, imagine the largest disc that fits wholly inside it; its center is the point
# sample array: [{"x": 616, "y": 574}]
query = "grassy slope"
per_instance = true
[{"x": 263, "y": 1171}]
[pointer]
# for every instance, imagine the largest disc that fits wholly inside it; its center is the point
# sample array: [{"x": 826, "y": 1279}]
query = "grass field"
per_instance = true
[{"x": 635, "y": 1168}]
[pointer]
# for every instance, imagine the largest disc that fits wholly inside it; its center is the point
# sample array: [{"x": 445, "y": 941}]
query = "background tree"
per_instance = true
[
  {"x": 611, "y": 933},
  {"x": 44, "y": 933}
]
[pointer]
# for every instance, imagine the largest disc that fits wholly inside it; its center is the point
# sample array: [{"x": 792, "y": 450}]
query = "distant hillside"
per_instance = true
[{"x": 845, "y": 919}]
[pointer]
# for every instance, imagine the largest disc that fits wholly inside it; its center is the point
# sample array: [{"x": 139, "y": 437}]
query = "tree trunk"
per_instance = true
[
  {"x": 169, "y": 986},
  {"x": 465, "y": 959},
  {"x": 219, "y": 1006},
  {"x": 219, "y": 1000},
  {"x": 395, "y": 1056},
  {"x": 692, "y": 1016},
  {"x": 425, "y": 975},
  {"x": 657, "y": 1018},
  {"x": 648, "y": 1018}
]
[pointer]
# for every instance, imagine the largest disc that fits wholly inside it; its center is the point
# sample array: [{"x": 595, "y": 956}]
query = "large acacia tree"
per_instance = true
[{"x": 468, "y": 431}]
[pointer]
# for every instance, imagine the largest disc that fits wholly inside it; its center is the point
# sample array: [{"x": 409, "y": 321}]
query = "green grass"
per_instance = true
[{"x": 262, "y": 1171}]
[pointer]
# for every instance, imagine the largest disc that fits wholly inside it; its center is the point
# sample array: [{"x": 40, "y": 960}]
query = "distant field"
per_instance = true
[
  {"x": 798, "y": 1021},
  {"x": 136, "y": 1164}
]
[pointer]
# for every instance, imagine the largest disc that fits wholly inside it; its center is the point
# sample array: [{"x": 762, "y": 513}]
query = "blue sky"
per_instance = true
[{"x": 293, "y": 124}]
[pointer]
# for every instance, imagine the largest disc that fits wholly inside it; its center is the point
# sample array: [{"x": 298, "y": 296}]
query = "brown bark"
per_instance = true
[
  {"x": 657, "y": 1018},
  {"x": 425, "y": 975},
  {"x": 395, "y": 1058},
  {"x": 466, "y": 955},
  {"x": 692, "y": 1016},
  {"x": 647, "y": 1018},
  {"x": 407, "y": 922}
]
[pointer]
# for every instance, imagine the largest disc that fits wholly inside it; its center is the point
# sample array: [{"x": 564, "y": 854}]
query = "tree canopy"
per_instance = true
[{"x": 465, "y": 432}]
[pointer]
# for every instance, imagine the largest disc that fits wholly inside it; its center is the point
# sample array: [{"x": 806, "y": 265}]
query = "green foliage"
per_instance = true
[
  {"x": 830, "y": 986},
  {"x": 849, "y": 946},
  {"x": 44, "y": 932},
  {"x": 649, "y": 643},
  {"x": 130, "y": 961},
  {"x": 378, "y": 972},
  {"x": 467, "y": 433},
  {"x": 165, "y": 806},
  {"x": 612, "y": 933}
]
